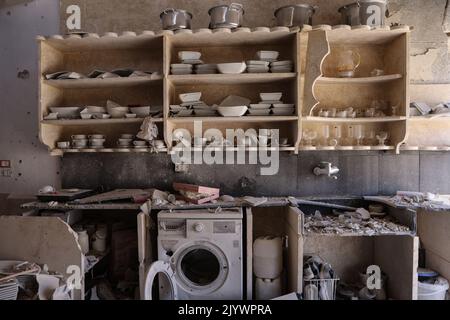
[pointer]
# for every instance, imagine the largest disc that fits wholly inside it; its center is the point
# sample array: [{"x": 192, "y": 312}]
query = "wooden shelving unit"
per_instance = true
[
  {"x": 312, "y": 85},
  {"x": 378, "y": 49}
]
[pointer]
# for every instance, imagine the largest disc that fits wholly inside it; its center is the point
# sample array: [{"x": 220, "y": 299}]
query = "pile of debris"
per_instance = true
[
  {"x": 359, "y": 222},
  {"x": 426, "y": 200}
]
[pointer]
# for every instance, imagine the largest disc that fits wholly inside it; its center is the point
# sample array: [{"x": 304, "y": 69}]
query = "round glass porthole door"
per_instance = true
[{"x": 201, "y": 268}]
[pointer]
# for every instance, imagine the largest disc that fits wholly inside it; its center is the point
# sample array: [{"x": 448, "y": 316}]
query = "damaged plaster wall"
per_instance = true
[{"x": 31, "y": 165}]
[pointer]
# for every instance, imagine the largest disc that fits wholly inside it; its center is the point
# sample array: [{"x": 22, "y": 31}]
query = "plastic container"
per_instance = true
[
  {"x": 267, "y": 289},
  {"x": 268, "y": 257},
  {"x": 435, "y": 291}
]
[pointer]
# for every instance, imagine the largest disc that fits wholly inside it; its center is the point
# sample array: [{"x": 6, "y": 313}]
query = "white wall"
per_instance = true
[{"x": 32, "y": 167}]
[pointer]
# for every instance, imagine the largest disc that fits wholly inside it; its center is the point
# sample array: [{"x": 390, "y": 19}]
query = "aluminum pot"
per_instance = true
[
  {"x": 225, "y": 16},
  {"x": 364, "y": 12},
  {"x": 175, "y": 19},
  {"x": 295, "y": 15}
]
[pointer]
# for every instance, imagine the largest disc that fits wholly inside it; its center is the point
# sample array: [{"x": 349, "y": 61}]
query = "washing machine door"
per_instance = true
[
  {"x": 201, "y": 268},
  {"x": 166, "y": 274}
]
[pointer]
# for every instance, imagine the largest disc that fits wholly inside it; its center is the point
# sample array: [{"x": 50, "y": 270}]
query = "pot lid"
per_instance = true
[
  {"x": 301, "y": 5},
  {"x": 168, "y": 10},
  {"x": 225, "y": 6}
]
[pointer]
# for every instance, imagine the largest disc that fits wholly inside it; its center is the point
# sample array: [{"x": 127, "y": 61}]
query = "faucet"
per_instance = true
[{"x": 326, "y": 168}]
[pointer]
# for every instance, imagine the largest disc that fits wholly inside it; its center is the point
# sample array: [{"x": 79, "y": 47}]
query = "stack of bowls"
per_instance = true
[
  {"x": 79, "y": 141},
  {"x": 125, "y": 141}
]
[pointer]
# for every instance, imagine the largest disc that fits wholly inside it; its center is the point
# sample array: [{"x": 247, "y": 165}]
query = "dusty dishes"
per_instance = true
[
  {"x": 232, "y": 68},
  {"x": 236, "y": 111}
]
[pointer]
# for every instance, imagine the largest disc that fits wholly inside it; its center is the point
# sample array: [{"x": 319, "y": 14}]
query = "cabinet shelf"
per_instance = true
[
  {"x": 354, "y": 120},
  {"x": 359, "y": 81},
  {"x": 235, "y": 119},
  {"x": 348, "y": 148},
  {"x": 81, "y": 122},
  {"x": 244, "y": 78},
  {"x": 103, "y": 83}
]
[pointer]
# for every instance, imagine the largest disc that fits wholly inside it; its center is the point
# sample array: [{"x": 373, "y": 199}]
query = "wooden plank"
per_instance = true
[
  {"x": 103, "y": 83},
  {"x": 359, "y": 81},
  {"x": 235, "y": 119},
  {"x": 433, "y": 230},
  {"x": 293, "y": 230},
  {"x": 234, "y": 79},
  {"x": 398, "y": 257},
  {"x": 318, "y": 50},
  {"x": 120, "y": 194},
  {"x": 249, "y": 253}
]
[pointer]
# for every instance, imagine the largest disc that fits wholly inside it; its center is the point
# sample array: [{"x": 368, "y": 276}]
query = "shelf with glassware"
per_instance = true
[
  {"x": 234, "y": 84},
  {"x": 98, "y": 89},
  {"x": 356, "y": 91}
]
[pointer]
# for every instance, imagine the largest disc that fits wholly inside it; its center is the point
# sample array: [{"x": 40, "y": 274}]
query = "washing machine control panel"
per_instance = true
[{"x": 199, "y": 227}]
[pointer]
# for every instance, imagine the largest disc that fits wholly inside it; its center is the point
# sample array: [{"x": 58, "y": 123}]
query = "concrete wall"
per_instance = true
[
  {"x": 32, "y": 167},
  {"x": 362, "y": 173}
]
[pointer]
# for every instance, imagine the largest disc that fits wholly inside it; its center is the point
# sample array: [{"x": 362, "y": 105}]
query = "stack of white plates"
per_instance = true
[
  {"x": 181, "y": 68},
  {"x": 9, "y": 290},
  {"x": 281, "y": 66},
  {"x": 260, "y": 109},
  {"x": 282, "y": 109},
  {"x": 203, "y": 110},
  {"x": 180, "y": 111},
  {"x": 258, "y": 66},
  {"x": 206, "y": 68}
]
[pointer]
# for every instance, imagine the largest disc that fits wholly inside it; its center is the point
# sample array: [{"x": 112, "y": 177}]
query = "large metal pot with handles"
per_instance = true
[
  {"x": 364, "y": 12},
  {"x": 225, "y": 16},
  {"x": 295, "y": 15},
  {"x": 175, "y": 19}
]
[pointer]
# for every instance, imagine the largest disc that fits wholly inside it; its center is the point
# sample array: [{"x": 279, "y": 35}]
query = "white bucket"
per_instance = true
[{"x": 435, "y": 291}]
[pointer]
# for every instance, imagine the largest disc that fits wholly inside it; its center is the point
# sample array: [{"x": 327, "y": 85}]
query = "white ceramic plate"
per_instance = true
[
  {"x": 284, "y": 63},
  {"x": 284, "y": 105},
  {"x": 260, "y": 106},
  {"x": 259, "y": 112},
  {"x": 258, "y": 63}
]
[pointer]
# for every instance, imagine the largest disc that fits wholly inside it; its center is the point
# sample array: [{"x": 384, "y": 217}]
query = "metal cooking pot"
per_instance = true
[
  {"x": 364, "y": 12},
  {"x": 224, "y": 16},
  {"x": 295, "y": 15},
  {"x": 175, "y": 19}
]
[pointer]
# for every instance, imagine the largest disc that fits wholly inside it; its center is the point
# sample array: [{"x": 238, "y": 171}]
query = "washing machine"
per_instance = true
[{"x": 199, "y": 255}]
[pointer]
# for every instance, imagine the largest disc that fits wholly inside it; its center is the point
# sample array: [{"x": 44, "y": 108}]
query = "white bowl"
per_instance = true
[
  {"x": 274, "y": 96},
  {"x": 271, "y": 56},
  {"x": 190, "y": 97},
  {"x": 233, "y": 100},
  {"x": 117, "y": 113},
  {"x": 232, "y": 68},
  {"x": 236, "y": 111},
  {"x": 141, "y": 112}
]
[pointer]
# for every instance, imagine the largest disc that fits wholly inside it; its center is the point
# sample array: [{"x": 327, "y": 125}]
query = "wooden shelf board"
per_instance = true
[
  {"x": 425, "y": 148},
  {"x": 360, "y": 81},
  {"x": 81, "y": 122},
  {"x": 235, "y": 149},
  {"x": 106, "y": 150},
  {"x": 355, "y": 148},
  {"x": 103, "y": 83},
  {"x": 244, "y": 78},
  {"x": 429, "y": 118},
  {"x": 354, "y": 120},
  {"x": 235, "y": 119},
  {"x": 231, "y": 39},
  {"x": 369, "y": 37},
  {"x": 142, "y": 41}
]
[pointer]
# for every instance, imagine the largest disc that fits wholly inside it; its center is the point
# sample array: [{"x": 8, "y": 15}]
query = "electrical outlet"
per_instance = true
[
  {"x": 5, "y": 164},
  {"x": 181, "y": 168}
]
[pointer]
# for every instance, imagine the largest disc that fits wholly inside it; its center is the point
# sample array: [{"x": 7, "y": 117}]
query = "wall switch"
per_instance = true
[
  {"x": 5, "y": 164},
  {"x": 5, "y": 173}
]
